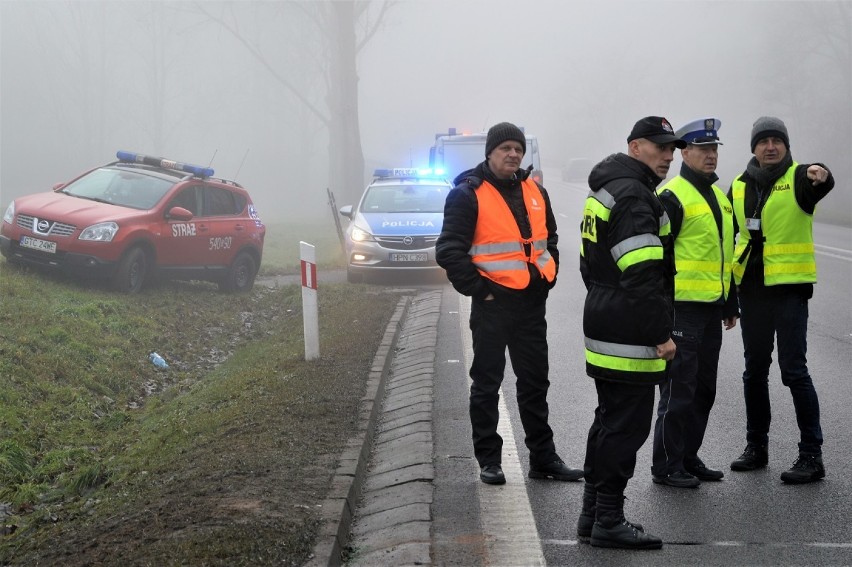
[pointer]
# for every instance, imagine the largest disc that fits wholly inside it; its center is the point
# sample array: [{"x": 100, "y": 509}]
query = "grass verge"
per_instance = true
[{"x": 223, "y": 459}]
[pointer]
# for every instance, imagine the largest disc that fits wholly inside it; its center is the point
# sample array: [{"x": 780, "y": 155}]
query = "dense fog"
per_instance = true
[{"x": 247, "y": 86}]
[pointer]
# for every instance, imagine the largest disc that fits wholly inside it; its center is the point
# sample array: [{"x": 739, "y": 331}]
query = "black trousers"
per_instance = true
[
  {"x": 622, "y": 424},
  {"x": 522, "y": 329},
  {"x": 687, "y": 397}
]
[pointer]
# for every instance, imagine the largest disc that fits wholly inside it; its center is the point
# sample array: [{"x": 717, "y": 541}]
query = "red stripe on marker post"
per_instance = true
[{"x": 309, "y": 275}]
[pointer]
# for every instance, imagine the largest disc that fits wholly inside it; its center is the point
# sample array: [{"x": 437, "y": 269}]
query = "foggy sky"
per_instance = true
[{"x": 81, "y": 80}]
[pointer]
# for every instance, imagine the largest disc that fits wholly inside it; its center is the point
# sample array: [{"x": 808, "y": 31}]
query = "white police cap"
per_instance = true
[{"x": 701, "y": 132}]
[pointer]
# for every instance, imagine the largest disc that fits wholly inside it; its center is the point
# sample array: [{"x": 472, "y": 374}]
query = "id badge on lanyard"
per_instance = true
[{"x": 753, "y": 224}]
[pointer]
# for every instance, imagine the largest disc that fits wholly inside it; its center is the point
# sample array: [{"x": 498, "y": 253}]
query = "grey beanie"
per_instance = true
[
  {"x": 499, "y": 133},
  {"x": 766, "y": 126}
]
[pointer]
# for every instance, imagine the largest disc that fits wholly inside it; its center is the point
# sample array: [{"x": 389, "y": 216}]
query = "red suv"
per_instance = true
[{"x": 138, "y": 218}]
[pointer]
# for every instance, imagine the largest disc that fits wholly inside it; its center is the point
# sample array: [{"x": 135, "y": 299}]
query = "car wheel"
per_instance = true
[
  {"x": 240, "y": 276},
  {"x": 130, "y": 275}
]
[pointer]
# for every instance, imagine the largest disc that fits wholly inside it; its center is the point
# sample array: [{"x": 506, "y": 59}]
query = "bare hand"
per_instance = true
[
  {"x": 817, "y": 174},
  {"x": 666, "y": 351},
  {"x": 730, "y": 322}
]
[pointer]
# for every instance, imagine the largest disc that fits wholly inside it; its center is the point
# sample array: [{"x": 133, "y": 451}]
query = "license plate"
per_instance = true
[
  {"x": 36, "y": 244},
  {"x": 409, "y": 257}
]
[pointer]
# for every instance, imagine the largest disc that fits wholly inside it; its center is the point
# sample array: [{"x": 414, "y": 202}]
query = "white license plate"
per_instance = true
[
  {"x": 409, "y": 257},
  {"x": 36, "y": 244}
]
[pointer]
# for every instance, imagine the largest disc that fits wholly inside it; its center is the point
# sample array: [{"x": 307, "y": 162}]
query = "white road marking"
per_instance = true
[{"x": 508, "y": 524}]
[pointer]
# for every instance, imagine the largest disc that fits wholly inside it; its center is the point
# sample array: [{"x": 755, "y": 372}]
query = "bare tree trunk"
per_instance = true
[{"x": 346, "y": 157}]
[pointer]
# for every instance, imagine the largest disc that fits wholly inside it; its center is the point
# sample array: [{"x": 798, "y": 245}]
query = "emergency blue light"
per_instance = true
[
  {"x": 409, "y": 172},
  {"x": 167, "y": 163}
]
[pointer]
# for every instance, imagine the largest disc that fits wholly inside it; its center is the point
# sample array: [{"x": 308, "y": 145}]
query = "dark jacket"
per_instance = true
[
  {"x": 460, "y": 216},
  {"x": 632, "y": 306}
]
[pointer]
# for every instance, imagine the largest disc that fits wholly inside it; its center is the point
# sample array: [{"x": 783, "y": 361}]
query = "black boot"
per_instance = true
[
  {"x": 587, "y": 513},
  {"x": 612, "y": 530},
  {"x": 753, "y": 457}
]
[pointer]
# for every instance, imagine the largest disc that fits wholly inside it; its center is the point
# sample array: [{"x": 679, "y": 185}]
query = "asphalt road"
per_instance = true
[{"x": 747, "y": 519}]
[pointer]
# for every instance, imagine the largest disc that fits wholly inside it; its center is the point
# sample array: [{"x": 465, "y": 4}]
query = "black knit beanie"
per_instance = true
[
  {"x": 767, "y": 126},
  {"x": 499, "y": 133}
]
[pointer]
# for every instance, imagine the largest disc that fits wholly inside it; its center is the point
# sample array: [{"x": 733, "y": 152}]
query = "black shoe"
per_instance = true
[
  {"x": 555, "y": 470},
  {"x": 753, "y": 457},
  {"x": 807, "y": 468},
  {"x": 679, "y": 479},
  {"x": 623, "y": 535},
  {"x": 586, "y": 523},
  {"x": 700, "y": 471},
  {"x": 492, "y": 474}
]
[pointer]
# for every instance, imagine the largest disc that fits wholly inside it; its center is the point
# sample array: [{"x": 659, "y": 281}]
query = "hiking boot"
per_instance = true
[
  {"x": 807, "y": 468},
  {"x": 492, "y": 474},
  {"x": 557, "y": 470},
  {"x": 678, "y": 479},
  {"x": 753, "y": 457},
  {"x": 700, "y": 471},
  {"x": 623, "y": 535}
]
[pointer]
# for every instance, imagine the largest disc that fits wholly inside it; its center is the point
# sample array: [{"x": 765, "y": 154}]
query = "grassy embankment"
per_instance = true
[{"x": 220, "y": 460}]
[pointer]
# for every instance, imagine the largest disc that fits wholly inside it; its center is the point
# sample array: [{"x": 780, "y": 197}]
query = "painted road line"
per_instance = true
[{"x": 508, "y": 525}]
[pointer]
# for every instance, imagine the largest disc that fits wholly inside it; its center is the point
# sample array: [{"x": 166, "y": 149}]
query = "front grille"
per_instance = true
[
  {"x": 27, "y": 222},
  {"x": 398, "y": 242}
]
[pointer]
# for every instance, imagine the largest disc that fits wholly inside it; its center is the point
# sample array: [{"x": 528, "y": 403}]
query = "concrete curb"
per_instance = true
[{"x": 339, "y": 506}]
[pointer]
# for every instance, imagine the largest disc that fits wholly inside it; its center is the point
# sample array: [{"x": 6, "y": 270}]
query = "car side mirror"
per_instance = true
[
  {"x": 58, "y": 186},
  {"x": 346, "y": 211},
  {"x": 179, "y": 213}
]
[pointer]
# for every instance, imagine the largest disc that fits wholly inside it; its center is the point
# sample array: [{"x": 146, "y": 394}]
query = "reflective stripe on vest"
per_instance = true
[
  {"x": 702, "y": 258},
  {"x": 498, "y": 247},
  {"x": 623, "y": 358},
  {"x": 788, "y": 248}
]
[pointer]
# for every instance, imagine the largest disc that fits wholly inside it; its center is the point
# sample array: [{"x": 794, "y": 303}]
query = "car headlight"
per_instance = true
[
  {"x": 9, "y": 215},
  {"x": 101, "y": 232},
  {"x": 360, "y": 235}
]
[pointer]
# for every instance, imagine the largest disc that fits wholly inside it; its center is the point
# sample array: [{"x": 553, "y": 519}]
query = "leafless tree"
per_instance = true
[{"x": 343, "y": 30}]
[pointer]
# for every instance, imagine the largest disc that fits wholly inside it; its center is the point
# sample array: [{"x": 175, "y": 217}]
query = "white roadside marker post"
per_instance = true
[{"x": 310, "y": 314}]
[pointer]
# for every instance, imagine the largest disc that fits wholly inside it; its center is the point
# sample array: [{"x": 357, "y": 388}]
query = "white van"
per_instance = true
[{"x": 455, "y": 153}]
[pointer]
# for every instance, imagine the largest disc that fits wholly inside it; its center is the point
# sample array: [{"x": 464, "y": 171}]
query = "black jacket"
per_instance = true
[
  {"x": 633, "y": 306},
  {"x": 461, "y": 211}
]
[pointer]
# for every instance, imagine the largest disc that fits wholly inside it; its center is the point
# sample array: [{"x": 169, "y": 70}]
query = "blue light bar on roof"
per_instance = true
[
  {"x": 409, "y": 172},
  {"x": 167, "y": 163}
]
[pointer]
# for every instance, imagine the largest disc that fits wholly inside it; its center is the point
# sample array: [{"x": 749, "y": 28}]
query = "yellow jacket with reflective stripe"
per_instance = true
[
  {"x": 702, "y": 256},
  {"x": 498, "y": 247},
  {"x": 788, "y": 247}
]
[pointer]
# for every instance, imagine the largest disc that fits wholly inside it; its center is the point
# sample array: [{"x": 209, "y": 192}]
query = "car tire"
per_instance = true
[
  {"x": 240, "y": 276},
  {"x": 131, "y": 272}
]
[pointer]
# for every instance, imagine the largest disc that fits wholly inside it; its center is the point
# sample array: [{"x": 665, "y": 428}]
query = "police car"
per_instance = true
[
  {"x": 138, "y": 218},
  {"x": 396, "y": 223}
]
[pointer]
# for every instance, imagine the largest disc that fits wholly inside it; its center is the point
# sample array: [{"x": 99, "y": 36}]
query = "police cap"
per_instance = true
[{"x": 701, "y": 132}]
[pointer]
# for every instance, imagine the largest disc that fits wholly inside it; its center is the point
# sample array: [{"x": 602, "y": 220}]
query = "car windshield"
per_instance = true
[
  {"x": 405, "y": 199},
  {"x": 120, "y": 187}
]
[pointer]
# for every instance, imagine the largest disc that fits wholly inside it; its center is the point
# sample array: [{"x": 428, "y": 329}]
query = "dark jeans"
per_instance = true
[
  {"x": 523, "y": 329},
  {"x": 687, "y": 397},
  {"x": 767, "y": 313},
  {"x": 622, "y": 424}
]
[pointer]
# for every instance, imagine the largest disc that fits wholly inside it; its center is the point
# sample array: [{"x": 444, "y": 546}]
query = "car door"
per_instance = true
[
  {"x": 184, "y": 243},
  {"x": 222, "y": 224}
]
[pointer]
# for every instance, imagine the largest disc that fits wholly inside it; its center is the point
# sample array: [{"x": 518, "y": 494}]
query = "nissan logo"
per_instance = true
[
  {"x": 42, "y": 225},
  {"x": 407, "y": 240}
]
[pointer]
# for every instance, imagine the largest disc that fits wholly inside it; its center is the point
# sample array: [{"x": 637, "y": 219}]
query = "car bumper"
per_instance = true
[{"x": 70, "y": 262}]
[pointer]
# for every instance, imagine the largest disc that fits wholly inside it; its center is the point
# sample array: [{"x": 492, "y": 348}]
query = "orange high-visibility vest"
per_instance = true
[{"x": 498, "y": 247}]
